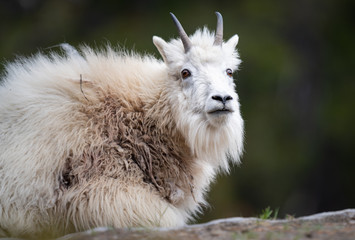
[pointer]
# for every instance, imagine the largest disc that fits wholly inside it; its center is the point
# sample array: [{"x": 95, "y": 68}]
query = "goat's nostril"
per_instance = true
[
  {"x": 217, "y": 98},
  {"x": 227, "y": 98}
]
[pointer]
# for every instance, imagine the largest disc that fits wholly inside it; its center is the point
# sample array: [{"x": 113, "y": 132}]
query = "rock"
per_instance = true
[
  {"x": 325, "y": 226},
  {"x": 330, "y": 225}
]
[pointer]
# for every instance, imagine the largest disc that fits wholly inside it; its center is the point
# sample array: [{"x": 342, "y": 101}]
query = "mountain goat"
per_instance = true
[{"x": 109, "y": 138}]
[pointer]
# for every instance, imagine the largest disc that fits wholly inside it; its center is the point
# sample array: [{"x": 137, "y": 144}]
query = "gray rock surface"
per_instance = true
[
  {"x": 338, "y": 225},
  {"x": 327, "y": 226}
]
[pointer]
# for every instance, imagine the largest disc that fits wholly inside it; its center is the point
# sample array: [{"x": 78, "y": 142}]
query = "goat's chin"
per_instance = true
[{"x": 219, "y": 118}]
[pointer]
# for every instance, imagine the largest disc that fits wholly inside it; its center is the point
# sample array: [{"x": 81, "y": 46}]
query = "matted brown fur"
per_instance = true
[{"x": 131, "y": 148}]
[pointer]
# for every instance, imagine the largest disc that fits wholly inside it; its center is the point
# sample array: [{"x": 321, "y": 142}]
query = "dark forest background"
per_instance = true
[{"x": 296, "y": 85}]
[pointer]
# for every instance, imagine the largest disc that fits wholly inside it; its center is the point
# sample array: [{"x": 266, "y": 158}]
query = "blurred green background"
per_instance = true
[{"x": 296, "y": 85}]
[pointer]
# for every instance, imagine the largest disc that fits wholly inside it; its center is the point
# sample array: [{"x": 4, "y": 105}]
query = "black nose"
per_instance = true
[{"x": 222, "y": 99}]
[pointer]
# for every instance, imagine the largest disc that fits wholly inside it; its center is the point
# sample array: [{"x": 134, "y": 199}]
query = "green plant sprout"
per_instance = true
[{"x": 267, "y": 213}]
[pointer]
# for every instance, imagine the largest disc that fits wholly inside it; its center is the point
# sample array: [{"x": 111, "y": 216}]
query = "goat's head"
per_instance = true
[{"x": 202, "y": 65}]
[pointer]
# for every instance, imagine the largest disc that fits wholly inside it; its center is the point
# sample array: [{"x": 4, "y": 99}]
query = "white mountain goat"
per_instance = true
[{"x": 109, "y": 138}]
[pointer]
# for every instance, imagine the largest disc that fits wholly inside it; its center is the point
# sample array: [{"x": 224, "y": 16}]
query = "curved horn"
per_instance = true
[
  {"x": 184, "y": 38},
  {"x": 219, "y": 30}
]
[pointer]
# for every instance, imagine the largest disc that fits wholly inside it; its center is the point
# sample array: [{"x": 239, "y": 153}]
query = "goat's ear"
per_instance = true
[
  {"x": 233, "y": 41},
  {"x": 161, "y": 45}
]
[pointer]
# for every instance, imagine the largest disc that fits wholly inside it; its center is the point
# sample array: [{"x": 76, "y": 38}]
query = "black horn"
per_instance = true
[
  {"x": 219, "y": 30},
  {"x": 184, "y": 38}
]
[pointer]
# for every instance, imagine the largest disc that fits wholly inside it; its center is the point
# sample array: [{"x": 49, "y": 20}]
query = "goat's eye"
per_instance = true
[
  {"x": 185, "y": 73},
  {"x": 229, "y": 72}
]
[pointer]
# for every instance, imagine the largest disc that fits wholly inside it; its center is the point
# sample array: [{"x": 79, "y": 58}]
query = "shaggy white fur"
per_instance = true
[{"x": 111, "y": 138}]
